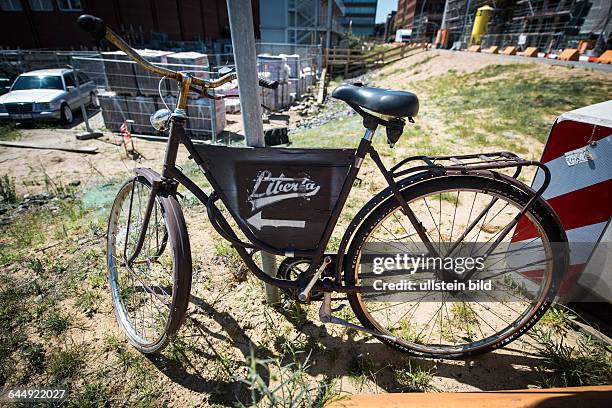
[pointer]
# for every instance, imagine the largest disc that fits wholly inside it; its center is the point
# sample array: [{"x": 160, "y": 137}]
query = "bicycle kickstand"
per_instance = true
[{"x": 325, "y": 316}]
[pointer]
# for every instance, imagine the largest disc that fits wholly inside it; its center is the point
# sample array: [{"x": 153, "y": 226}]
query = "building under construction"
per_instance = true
[
  {"x": 303, "y": 22},
  {"x": 546, "y": 24}
]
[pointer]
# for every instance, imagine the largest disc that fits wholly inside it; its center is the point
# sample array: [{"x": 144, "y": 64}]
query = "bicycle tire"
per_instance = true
[
  {"x": 541, "y": 212},
  {"x": 176, "y": 241}
]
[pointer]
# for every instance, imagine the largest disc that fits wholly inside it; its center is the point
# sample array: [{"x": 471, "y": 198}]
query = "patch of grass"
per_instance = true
[
  {"x": 8, "y": 194},
  {"x": 563, "y": 365},
  {"x": 295, "y": 312},
  {"x": 464, "y": 318},
  {"x": 557, "y": 319},
  {"x": 65, "y": 365},
  {"x": 34, "y": 354},
  {"x": 414, "y": 378},
  {"x": 408, "y": 332},
  {"x": 88, "y": 302},
  {"x": 288, "y": 385},
  {"x": 448, "y": 197},
  {"x": 512, "y": 97},
  {"x": 92, "y": 395},
  {"x": 228, "y": 256},
  {"x": 8, "y": 131},
  {"x": 55, "y": 323},
  {"x": 14, "y": 314},
  {"x": 34, "y": 228},
  {"x": 113, "y": 343},
  {"x": 341, "y": 132}
]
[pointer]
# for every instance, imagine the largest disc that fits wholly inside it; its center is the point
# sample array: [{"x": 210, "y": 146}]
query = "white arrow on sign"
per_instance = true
[{"x": 259, "y": 222}]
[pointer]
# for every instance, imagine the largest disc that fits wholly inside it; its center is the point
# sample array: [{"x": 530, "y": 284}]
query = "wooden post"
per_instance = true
[{"x": 348, "y": 61}]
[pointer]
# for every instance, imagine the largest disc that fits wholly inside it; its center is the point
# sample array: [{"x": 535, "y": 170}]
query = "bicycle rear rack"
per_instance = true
[
  {"x": 480, "y": 164},
  {"x": 469, "y": 163}
]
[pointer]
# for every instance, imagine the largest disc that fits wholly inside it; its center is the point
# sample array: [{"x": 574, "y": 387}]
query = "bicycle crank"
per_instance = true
[
  {"x": 325, "y": 316},
  {"x": 303, "y": 295}
]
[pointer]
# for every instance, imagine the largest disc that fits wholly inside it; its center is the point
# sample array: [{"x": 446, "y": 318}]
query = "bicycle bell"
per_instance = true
[{"x": 160, "y": 119}]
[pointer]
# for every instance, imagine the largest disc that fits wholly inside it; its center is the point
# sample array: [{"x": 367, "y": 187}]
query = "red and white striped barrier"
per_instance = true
[{"x": 579, "y": 155}]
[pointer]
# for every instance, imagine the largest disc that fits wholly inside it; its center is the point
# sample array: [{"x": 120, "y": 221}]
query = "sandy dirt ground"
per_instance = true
[{"x": 229, "y": 317}]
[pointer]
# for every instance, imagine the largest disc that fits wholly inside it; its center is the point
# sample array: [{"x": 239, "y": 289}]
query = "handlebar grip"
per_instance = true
[
  {"x": 267, "y": 83},
  {"x": 93, "y": 25}
]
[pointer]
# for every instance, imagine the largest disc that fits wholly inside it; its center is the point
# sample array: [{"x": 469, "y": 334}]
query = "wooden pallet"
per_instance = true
[{"x": 583, "y": 397}]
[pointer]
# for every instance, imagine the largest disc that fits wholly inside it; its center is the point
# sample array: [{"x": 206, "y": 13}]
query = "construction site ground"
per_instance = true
[{"x": 55, "y": 244}]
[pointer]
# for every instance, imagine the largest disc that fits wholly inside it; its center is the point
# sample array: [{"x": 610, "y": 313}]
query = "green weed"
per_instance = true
[
  {"x": 414, "y": 378},
  {"x": 65, "y": 365},
  {"x": 8, "y": 194},
  {"x": 288, "y": 385},
  {"x": 586, "y": 363},
  {"x": 55, "y": 323},
  {"x": 8, "y": 131}
]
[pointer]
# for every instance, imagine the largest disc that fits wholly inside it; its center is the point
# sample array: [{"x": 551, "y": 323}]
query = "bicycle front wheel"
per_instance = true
[
  {"x": 523, "y": 272},
  {"x": 150, "y": 295}
]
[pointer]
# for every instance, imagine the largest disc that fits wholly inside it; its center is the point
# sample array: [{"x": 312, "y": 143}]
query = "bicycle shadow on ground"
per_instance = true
[
  {"x": 509, "y": 368},
  {"x": 345, "y": 355},
  {"x": 188, "y": 375}
]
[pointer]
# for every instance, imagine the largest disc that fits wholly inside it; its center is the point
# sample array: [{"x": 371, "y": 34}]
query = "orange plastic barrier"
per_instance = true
[
  {"x": 510, "y": 50},
  {"x": 474, "y": 48},
  {"x": 494, "y": 49},
  {"x": 583, "y": 397},
  {"x": 530, "y": 52},
  {"x": 569, "y": 54},
  {"x": 605, "y": 58}
]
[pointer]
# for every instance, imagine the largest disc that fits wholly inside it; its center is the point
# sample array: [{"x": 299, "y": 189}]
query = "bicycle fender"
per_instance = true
[
  {"x": 371, "y": 206},
  {"x": 157, "y": 181}
]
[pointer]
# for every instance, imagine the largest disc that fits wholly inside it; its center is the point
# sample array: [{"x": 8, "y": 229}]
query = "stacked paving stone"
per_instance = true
[{"x": 133, "y": 94}]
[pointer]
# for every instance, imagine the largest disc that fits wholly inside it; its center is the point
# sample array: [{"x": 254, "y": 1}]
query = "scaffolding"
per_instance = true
[
  {"x": 302, "y": 22},
  {"x": 546, "y": 24}
]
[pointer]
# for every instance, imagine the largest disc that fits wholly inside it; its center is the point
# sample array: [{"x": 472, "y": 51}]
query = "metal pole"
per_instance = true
[
  {"x": 245, "y": 58},
  {"x": 443, "y": 24},
  {"x": 465, "y": 18},
  {"x": 329, "y": 23}
]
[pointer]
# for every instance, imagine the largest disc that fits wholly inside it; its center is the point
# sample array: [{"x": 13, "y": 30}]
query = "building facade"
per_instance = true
[
  {"x": 360, "y": 17},
  {"x": 302, "y": 22},
  {"x": 424, "y": 17},
  {"x": 389, "y": 26},
  {"x": 51, "y": 24}
]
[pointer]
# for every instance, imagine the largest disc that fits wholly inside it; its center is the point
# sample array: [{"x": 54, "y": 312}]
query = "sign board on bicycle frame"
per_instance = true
[
  {"x": 579, "y": 155},
  {"x": 284, "y": 196}
]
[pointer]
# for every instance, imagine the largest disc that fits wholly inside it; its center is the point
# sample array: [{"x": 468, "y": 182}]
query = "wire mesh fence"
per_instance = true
[{"x": 128, "y": 92}]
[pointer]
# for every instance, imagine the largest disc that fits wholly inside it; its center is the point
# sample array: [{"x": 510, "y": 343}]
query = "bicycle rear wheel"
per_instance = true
[
  {"x": 150, "y": 296},
  {"x": 524, "y": 270}
]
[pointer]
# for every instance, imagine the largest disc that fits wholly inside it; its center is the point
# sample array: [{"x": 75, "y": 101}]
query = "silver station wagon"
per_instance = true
[{"x": 47, "y": 95}]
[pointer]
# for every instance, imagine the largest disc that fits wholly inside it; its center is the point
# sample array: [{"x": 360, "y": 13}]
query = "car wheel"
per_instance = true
[{"x": 67, "y": 117}]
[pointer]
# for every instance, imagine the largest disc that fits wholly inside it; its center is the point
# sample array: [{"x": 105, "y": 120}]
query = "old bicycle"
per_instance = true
[{"x": 287, "y": 202}]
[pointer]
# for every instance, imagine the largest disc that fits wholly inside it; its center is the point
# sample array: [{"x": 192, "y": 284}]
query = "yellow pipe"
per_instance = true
[{"x": 483, "y": 14}]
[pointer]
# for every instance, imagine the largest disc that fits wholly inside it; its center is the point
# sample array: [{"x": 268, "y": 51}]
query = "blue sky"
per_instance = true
[{"x": 384, "y": 7}]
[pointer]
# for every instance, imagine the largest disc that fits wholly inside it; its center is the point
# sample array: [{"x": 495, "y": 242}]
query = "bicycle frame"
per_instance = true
[{"x": 172, "y": 176}]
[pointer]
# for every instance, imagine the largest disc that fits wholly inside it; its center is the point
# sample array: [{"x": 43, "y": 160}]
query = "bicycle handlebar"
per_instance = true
[{"x": 98, "y": 30}]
